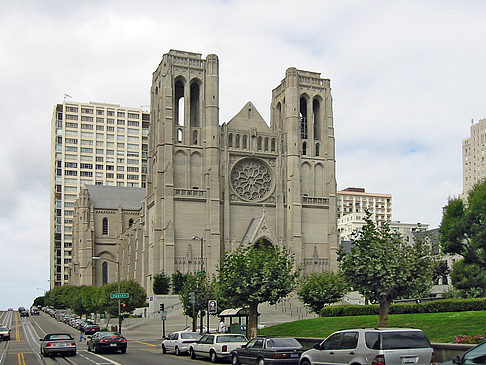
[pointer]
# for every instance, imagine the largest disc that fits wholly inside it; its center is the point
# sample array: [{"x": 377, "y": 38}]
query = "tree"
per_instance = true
[
  {"x": 318, "y": 289},
  {"x": 253, "y": 275},
  {"x": 161, "y": 283},
  {"x": 470, "y": 279},
  {"x": 463, "y": 227},
  {"x": 203, "y": 288},
  {"x": 39, "y": 302},
  {"x": 137, "y": 296},
  {"x": 382, "y": 267},
  {"x": 178, "y": 280}
]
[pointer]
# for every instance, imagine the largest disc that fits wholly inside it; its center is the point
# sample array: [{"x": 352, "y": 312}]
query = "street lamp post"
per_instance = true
[
  {"x": 96, "y": 258},
  {"x": 201, "y": 273}
]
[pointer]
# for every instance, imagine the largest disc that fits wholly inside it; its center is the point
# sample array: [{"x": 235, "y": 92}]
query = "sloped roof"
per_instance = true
[
  {"x": 111, "y": 197},
  {"x": 248, "y": 117}
]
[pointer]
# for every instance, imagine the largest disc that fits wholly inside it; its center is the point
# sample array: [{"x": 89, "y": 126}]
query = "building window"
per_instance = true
[
  {"x": 130, "y": 222},
  {"x": 104, "y": 267},
  {"x": 303, "y": 118},
  {"x": 105, "y": 226}
]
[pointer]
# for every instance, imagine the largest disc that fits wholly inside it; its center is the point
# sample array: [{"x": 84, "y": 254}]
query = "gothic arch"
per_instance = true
[
  {"x": 180, "y": 163},
  {"x": 196, "y": 170},
  {"x": 195, "y": 103},
  {"x": 306, "y": 179},
  {"x": 319, "y": 180}
]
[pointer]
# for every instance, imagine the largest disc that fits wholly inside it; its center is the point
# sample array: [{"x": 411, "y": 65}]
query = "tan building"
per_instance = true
[
  {"x": 357, "y": 200},
  {"x": 222, "y": 187},
  {"x": 91, "y": 143},
  {"x": 473, "y": 157}
]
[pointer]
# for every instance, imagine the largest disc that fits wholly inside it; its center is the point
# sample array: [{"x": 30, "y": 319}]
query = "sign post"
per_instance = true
[
  {"x": 212, "y": 308},
  {"x": 163, "y": 316}
]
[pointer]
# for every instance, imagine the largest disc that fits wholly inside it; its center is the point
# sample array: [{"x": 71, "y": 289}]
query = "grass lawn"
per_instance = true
[{"x": 439, "y": 327}]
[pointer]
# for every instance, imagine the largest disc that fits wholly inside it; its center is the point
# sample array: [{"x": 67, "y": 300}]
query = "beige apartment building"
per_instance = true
[
  {"x": 357, "y": 200},
  {"x": 91, "y": 144},
  {"x": 473, "y": 157},
  {"x": 214, "y": 188}
]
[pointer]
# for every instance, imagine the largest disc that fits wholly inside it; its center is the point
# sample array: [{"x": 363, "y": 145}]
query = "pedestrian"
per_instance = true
[
  {"x": 222, "y": 326},
  {"x": 81, "y": 336}
]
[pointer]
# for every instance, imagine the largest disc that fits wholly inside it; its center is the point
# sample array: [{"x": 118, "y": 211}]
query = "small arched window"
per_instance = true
[
  {"x": 265, "y": 144},
  {"x": 104, "y": 269},
  {"x": 315, "y": 111},
  {"x": 237, "y": 141},
  {"x": 245, "y": 141},
  {"x": 259, "y": 143},
  {"x": 317, "y": 149},
  {"x": 179, "y": 135},
  {"x": 303, "y": 118},
  {"x": 130, "y": 222},
  {"x": 273, "y": 144},
  {"x": 194, "y": 137},
  {"x": 105, "y": 226},
  {"x": 304, "y": 148},
  {"x": 230, "y": 140}
]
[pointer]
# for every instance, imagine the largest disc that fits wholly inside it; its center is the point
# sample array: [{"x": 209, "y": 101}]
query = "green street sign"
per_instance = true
[{"x": 119, "y": 296}]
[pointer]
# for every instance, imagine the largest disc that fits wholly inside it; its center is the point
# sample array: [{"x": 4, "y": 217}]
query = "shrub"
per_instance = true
[
  {"x": 470, "y": 339},
  {"x": 436, "y": 306}
]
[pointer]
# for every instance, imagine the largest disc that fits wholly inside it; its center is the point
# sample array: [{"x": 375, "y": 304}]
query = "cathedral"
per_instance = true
[{"x": 214, "y": 188}]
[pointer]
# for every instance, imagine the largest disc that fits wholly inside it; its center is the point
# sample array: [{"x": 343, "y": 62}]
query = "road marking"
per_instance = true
[
  {"x": 102, "y": 357},
  {"x": 21, "y": 359},
  {"x": 17, "y": 332},
  {"x": 145, "y": 343}
]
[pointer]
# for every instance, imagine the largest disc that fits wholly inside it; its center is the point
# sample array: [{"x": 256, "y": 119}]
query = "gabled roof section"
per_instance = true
[
  {"x": 112, "y": 197},
  {"x": 248, "y": 117},
  {"x": 258, "y": 229}
]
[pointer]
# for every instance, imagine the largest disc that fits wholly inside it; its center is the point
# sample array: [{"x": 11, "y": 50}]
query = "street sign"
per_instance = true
[
  {"x": 212, "y": 306},
  {"x": 119, "y": 296}
]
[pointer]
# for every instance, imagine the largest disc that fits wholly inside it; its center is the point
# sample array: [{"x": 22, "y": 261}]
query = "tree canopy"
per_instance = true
[
  {"x": 469, "y": 279},
  {"x": 318, "y": 289},
  {"x": 463, "y": 227},
  {"x": 161, "y": 283},
  {"x": 382, "y": 267},
  {"x": 254, "y": 275}
]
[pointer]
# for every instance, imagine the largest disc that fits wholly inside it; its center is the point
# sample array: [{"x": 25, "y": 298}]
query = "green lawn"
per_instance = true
[{"x": 439, "y": 327}]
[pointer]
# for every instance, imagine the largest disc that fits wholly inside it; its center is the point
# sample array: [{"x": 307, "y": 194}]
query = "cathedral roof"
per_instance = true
[
  {"x": 112, "y": 197},
  {"x": 248, "y": 117}
]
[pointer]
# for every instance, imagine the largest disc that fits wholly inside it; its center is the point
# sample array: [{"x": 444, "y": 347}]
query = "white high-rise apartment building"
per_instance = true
[
  {"x": 357, "y": 200},
  {"x": 473, "y": 157},
  {"x": 92, "y": 144}
]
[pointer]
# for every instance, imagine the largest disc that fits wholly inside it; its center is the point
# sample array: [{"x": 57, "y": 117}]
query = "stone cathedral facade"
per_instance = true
[{"x": 221, "y": 187}]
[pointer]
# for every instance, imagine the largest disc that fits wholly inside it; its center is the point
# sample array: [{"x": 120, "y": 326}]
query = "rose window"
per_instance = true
[{"x": 251, "y": 179}]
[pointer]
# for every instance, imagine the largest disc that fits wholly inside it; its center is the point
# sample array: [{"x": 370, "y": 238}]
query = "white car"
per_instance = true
[
  {"x": 216, "y": 346},
  {"x": 179, "y": 341}
]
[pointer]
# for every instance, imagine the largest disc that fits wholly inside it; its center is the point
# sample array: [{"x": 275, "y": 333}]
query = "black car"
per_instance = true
[
  {"x": 90, "y": 329},
  {"x": 107, "y": 341},
  {"x": 476, "y": 355},
  {"x": 268, "y": 350}
]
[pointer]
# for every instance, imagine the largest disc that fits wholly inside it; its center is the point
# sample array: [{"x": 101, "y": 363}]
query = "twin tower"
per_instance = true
[{"x": 219, "y": 187}]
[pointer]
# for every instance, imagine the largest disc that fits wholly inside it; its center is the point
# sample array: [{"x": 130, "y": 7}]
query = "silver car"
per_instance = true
[
  {"x": 366, "y": 346},
  {"x": 57, "y": 343}
]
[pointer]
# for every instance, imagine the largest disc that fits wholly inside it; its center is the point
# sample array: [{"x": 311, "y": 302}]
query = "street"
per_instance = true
[{"x": 23, "y": 347}]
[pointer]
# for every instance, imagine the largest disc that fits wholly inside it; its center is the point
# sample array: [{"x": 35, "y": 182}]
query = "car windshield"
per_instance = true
[
  {"x": 58, "y": 337},
  {"x": 283, "y": 342},
  {"x": 229, "y": 338},
  {"x": 3, "y": 329},
  {"x": 189, "y": 335},
  {"x": 404, "y": 340}
]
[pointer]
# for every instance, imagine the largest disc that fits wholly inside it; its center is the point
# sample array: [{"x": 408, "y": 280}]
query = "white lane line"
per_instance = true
[
  {"x": 100, "y": 363},
  {"x": 5, "y": 351}
]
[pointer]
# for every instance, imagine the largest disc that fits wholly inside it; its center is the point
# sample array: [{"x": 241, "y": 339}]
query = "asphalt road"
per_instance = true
[{"x": 23, "y": 347}]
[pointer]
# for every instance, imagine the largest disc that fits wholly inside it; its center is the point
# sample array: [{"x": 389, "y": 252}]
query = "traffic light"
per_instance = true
[
  {"x": 192, "y": 297},
  {"x": 124, "y": 305},
  {"x": 162, "y": 307}
]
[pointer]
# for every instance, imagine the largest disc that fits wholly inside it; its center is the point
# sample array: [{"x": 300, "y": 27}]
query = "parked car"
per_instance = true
[
  {"x": 4, "y": 332},
  {"x": 179, "y": 341},
  {"x": 34, "y": 311},
  {"x": 90, "y": 329},
  {"x": 368, "y": 346},
  {"x": 216, "y": 346},
  {"x": 107, "y": 341},
  {"x": 57, "y": 343},
  {"x": 268, "y": 350},
  {"x": 476, "y": 355}
]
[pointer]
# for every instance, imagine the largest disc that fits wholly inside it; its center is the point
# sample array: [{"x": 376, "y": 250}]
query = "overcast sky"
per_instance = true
[{"x": 407, "y": 77}]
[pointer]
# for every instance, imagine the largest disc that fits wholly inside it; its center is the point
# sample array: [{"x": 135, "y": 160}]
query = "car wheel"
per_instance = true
[
  {"x": 234, "y": 360},
  {"x": 213, "y": 356},
  {"x": 305, "y": 362},
  {"x": 192, "y": 353},
  {"x": 123, "y": 351},
  {"x": 164, "y": 350},
  {"x": 73, "y": 353},
  {"x": 261, "y": 362},
  {"x": 177, "y": 351},
  {"x": 96, "y": 349}
]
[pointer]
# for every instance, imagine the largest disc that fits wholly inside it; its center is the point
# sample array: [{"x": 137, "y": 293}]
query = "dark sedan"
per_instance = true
[
  {"x": 57, "y": 343},
  {"x": 476, "y": 355},
  {"x": 268, "y": 350},
  {"x": 90, "y": 329},
  {"x": 107, "y": 341}
]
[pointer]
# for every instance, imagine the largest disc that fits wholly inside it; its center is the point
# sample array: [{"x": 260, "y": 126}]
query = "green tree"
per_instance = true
[
  {"x": 318, "y": 289},
  {"x": 470, "y": 279},
  {"x": 463, "y": 227},
  {"x": 137, "y": 296},
  {"x": 178, "y": 280},
  {"x": 39, "y": 302},
  {"x": 203, "y": 287},
  {"x": 253, "y": 275},
  {"x": 382, "y": 267},
  {"x": 161, "y": 283}
]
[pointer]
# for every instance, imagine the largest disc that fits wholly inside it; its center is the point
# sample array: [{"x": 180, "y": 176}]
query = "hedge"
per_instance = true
[{"x": 435, "y": 306}]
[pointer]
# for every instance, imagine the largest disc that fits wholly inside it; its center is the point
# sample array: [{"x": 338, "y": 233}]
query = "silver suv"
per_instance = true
[{"x": 372, "y": 346}]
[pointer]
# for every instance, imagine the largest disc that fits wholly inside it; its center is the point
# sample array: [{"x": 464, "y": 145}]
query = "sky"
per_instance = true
[{"x": 407, "y": 78}]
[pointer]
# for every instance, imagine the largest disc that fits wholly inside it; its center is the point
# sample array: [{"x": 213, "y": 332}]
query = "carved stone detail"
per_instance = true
[{"x": 251, "y": 179}]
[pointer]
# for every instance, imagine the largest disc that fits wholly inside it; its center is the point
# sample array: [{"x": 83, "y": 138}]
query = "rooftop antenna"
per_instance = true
[{"x": 67, "y": 96}]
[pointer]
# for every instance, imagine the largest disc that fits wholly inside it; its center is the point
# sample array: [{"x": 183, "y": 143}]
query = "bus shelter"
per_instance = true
[{"x": 238, "y": 319}]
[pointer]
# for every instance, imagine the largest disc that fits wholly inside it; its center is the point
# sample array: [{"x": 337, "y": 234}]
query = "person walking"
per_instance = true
[
  {"x": 81, "y": 336},
  {"x": 222, "y": 326}
]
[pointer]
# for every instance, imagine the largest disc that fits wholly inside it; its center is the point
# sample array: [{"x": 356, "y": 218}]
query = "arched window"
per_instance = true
[
  {"x": 279, "y": 115},
  {"x": 273, "y": 144},
  {"x": 245, "y": 141},
  {"x": 316, "y": 111},
  {"x": 194, "y": 104},
  {"x": 265, "y": 144},
  {"x": 179, "y": 102},
  {"x": 230, "y": 140},
  {"x": 105, "y": 226},
  {"x": 104, "y": 269},
  {"x": 130, "y": 222},
  {"x": 179, "y": 135},
  {"x": 194, "y": 137},
  {"x": 237, "y": 141},
  {"x": 303, "y": 118},
  {"x": 259, "y": 143},
  {"x": 317, "y": 149},
  {"x": 304, "y": 148}
]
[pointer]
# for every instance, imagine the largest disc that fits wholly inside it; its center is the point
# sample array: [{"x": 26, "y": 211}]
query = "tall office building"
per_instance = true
[
  {"x": 92, "y": 144},
  {"x": 473, "y": 155},
  {"x": 357, "y": 200}
]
